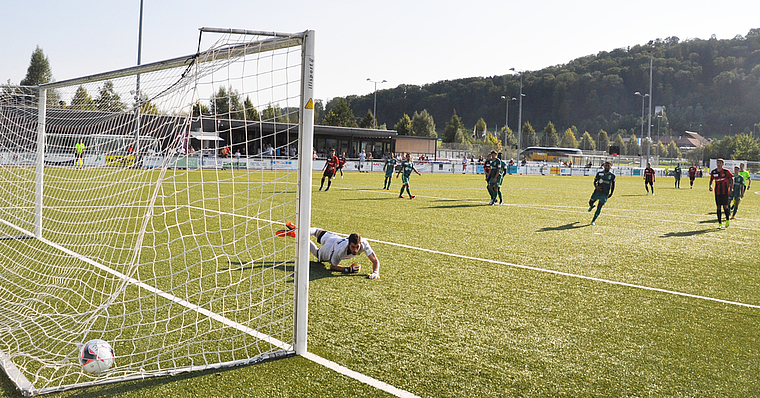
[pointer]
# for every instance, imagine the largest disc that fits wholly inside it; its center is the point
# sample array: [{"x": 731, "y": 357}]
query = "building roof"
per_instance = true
[{"x": 688, "y": 139}]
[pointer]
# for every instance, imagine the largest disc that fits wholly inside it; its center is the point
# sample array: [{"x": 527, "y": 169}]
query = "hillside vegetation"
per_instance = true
[{"x": 711, "y": 86}]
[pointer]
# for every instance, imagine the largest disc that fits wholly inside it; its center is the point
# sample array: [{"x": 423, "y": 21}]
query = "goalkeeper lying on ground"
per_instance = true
[{"x": 336, "y": 248}]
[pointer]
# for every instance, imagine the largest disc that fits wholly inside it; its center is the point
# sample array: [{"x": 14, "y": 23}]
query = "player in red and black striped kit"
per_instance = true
[
  {"x": 329, "y": 170},
  {"x": 692, "y": 175},
  {"x": 341, "y": 162},
  {"x": 723, "y": 182},
  {"x": 649, "y": 178}
]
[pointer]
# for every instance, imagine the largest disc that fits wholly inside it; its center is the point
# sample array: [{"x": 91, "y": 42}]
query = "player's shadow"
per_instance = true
[
  {"x": 316, "y": 270},
  {"x": 572, "y": 225},
  {"x": 454, "y": 204},
  {"x": 686, "y": 233},
  {"x": 373, "y": 198},
  {"x": 319, "y": 270},
  {"x": 635, "y": 194}
]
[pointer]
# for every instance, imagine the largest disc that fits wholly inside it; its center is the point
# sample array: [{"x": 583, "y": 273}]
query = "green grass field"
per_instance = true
[{"x": 525, "y": 299}]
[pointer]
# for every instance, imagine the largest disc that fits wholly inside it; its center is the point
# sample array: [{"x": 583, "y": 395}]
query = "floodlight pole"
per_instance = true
[
  {"x": 519, "y": 116},
  {"x": 136, "y": 145},
  {"x": 374, "y": 112},
  {"x": 649, "y": 123},
  {"x": 643, "y": 97},
  {"x": 506, "y": 121}
]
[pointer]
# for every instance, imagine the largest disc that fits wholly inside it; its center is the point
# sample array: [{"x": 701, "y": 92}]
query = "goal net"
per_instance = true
[{"x": 141, "y": 207}]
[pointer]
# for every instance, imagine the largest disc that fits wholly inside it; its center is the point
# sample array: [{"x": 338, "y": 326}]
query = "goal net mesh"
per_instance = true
[{"x": 146, "y": 215}]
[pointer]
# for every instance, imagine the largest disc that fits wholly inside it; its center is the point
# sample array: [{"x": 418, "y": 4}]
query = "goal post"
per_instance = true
[{"x": 145, "y": 207}]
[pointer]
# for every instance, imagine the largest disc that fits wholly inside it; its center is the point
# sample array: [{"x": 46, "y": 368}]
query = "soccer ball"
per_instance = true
[{"x": 96, "y": 356}]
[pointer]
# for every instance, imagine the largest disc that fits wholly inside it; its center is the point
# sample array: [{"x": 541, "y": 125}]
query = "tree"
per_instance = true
[
  {"x": 454, "y": 130},
  {"x": 319, "y": 111},
  {"x": 602, "y": 141},
  {"x": 673, "y": 151},
  {"x": 509, "y": 141},
  {"x": 226, "y": 104},
  {"x": 550, "y": 137},
  {"x": 661, "y": 149},
  {"x": 528, "y": 136},
  {"x": 368, "y": 121},
  {"x": 200, "y": 109},
  {"x": 340, "y": 115},
  {"x": 587, "y": 143},
  {"x": 37, "y": 73},
  {"x": 108, "y": 100},
  {"x": 82, "y": 100},
  {"x": 147, "y": 107},
  {"x": 492, "y": 142},
  {"x": 274, "y": 114},
  {"x": 620, "y": 144},
  {"x": 568, "y": 140},
  {"x": 423, "y": 124},
  {"x": 250, "y": 111},
  {"x": 39, "y": 70},
  {"x": 404, "y": 125},
  {"x": 633, "y": 148},
  {"x": 480, "y": 128}
]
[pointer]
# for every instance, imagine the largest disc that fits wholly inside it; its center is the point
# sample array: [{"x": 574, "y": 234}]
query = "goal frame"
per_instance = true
[{"x": 306, "y": 40}]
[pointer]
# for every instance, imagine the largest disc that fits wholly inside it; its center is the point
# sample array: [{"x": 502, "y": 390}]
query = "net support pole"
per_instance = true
[
  {"x": 42, "y": 109},
  {"x": 303, "y": 211}
]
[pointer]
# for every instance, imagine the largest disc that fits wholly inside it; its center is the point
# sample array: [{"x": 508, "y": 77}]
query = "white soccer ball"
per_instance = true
[{"x": 96, "y": 356}]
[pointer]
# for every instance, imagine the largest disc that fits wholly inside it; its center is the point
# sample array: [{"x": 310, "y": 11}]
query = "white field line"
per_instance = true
[
  {"x": 527, "y": 267},
  {"x": 168, "y": 296},
  {"x": 226, "y": 321},
  {"x": 550, "y": 271},
  {"x": 608, "y": 212},
  {"x": 567, "y": 209}
]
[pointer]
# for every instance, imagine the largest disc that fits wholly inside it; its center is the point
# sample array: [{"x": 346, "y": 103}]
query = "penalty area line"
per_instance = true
[{"x": 571, "y": 275}]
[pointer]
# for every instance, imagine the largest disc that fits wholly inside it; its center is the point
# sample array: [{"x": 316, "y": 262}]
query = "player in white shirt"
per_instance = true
[{"x": 336, "y": 248}]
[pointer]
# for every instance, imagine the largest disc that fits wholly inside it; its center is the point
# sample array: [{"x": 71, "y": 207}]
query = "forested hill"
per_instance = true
[{"x": 713, "y": 83}]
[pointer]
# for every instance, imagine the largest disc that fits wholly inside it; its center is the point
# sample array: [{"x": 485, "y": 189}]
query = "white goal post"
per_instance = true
[{"x": 147, "y": 207}]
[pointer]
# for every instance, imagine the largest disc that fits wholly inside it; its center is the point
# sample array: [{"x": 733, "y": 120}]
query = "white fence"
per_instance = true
[{"x": 259, "y": 163}]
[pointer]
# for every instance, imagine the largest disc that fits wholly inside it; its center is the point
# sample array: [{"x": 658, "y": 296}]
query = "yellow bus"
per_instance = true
[{"x": 552, "y": 154}]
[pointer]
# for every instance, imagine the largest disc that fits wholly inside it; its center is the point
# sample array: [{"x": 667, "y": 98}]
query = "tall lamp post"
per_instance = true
[
  {"x": 374, "y": 112},
  {"x": 138, "y": 99},
  {"x": 643, "y": 97},
  {"x": 506, "y": 121},
  {"x": 649, "y": 123},
  {"x": 519, "y": 115}
]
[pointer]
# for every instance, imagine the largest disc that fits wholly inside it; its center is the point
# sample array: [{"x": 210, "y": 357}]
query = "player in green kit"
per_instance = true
[
  {"x": 737, "y": 193},
  {"x": 677, "y": 175},
  {"x": 745, "y": 174},
  {"x": 604, "y": 184},
  {"x": 389, "y": 167},
  {"x": 407, "y": 167},
  {"x": 495, "y": 177},
  {"x": 79, "y": 154}
]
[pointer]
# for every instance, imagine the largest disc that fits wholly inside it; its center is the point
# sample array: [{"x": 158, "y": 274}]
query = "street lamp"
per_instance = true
[
  {"x": 649, "y": 123},
  {"x": 136, "y": 145},
  {"x": 519, "y": 115},
  {"x": 506, "y": 122},
  {"x": 643, "y": 97},
  {"x": 374, "y": 112}
]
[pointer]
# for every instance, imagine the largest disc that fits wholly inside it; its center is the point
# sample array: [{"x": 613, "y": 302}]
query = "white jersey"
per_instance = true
[{"x": 335, "y": 249}]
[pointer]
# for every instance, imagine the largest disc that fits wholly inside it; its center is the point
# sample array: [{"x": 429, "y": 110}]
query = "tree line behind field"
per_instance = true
[{"x": 709, "y": 86}]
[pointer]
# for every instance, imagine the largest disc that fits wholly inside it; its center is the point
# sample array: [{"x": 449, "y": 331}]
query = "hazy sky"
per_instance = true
[{"x": 403, "y": 42}]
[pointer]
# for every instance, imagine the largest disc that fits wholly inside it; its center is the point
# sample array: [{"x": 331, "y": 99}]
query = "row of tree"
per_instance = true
[{"x": 597, "y": 89}]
